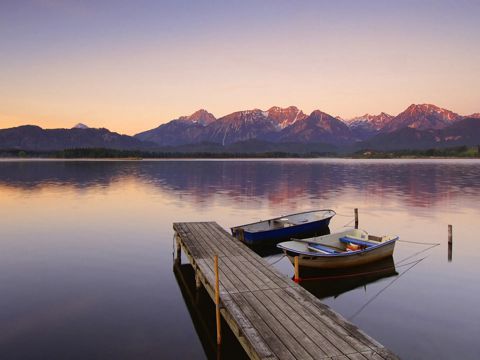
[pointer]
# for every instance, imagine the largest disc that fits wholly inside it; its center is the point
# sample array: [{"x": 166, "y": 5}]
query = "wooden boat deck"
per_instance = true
[{"x": 272, "y": 316}]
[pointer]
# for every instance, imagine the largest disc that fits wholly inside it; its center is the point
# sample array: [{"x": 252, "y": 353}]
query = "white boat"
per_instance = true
[{"x": 343, "y": 249}]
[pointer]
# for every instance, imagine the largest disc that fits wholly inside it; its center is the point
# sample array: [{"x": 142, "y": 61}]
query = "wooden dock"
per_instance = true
[{"x": 272, "y": 316}]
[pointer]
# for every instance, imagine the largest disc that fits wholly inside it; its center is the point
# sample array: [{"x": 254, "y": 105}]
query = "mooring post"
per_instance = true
[
  {"x": 296, "y": 277},
  {"x": 217, "y": 300},
  {"x": 450, "y": 242},
  {"x": 356, "y": 218}
]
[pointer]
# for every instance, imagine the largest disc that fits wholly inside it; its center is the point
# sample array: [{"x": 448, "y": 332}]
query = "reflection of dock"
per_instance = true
[
  {"x": 271, "y": 316},
  {"x": 202, "y": 312}
]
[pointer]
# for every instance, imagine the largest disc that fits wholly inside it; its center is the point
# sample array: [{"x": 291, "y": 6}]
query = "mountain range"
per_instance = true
[{"x": 283, "y": 129}]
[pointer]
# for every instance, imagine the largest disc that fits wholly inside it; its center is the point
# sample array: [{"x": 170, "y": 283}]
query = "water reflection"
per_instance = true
[
  {"x": 91, "y": 243},
  {"x": 332, "y": 283},
  {"x": 202, "y": 311},
  {"x": 280, "y": 183}
]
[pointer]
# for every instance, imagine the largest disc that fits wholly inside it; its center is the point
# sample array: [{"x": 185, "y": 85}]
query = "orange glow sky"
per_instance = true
[{"x": 130, "y": 66}]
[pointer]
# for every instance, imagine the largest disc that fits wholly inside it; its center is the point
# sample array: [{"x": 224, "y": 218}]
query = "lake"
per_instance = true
[{"x": 86, "y": 267}]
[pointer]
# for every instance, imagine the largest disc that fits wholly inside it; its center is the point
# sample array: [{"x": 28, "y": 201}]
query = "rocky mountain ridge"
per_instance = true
[{"x": 418, "y": 125}]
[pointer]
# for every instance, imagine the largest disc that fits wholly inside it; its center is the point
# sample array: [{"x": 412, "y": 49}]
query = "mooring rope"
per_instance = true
[
  {"x": 415, "y": 263},
  {"x": 418, "y": 242},
  {"x": 418, "y": 253},
  {"x": 337, "y": 214},
  {"x": 349, "y": 223}
]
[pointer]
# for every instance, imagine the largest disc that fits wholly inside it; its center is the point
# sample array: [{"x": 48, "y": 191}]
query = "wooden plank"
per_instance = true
[
  {"x": 333, "y": 329},
  {"x": 219, "y": 240},
  {"x": 350, "y": 330},
  {"x": 207, "y": 271},
  {"x": 263, "y": 329},
  {"x": 241, "y": 280},
  {"x": 256, "y": 260},
  {"x": 285, "y": 332},
  {"x": 243, "y": 275},
  {"x": 295, "y": 329},
  {"x": 206, "y": 241},
  {"x": 246, "y": 329},
  {"x": 312, "y": 329}
]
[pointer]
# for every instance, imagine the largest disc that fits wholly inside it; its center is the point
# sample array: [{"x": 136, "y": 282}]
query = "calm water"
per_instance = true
[{"x": 86, "y": 268}]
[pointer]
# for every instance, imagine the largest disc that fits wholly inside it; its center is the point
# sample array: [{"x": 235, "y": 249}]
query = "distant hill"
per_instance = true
[
  {"x": 462, "y": 132},
  {"x": 229, "y": 129},
  {"x": 422, "y": 117},
  {"x": 317, "y": 127},
  {"x": 366, "y": 126},
  {"x": 184, "y": 130},
  {"x": 30, "y": 137},
  {"x": 274, "y": 125},
  {"x": 253, "y": 146}
]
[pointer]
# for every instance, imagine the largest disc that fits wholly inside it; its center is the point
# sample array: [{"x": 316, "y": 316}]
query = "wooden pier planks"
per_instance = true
[{"x": 272, "y": 317}]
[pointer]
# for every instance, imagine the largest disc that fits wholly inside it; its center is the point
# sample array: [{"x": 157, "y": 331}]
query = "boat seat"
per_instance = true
[
  {"x": 352, "y": 240},
  {"x": 322, "y": 248},
  {"x": 298, "y": 222}
]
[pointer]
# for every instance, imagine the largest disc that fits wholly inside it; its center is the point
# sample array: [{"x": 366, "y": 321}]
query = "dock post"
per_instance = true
[
  {"x": 356, "y": 218},
  {"x": 178, "y": 257},
  {"x": 450, "y": 242},
  {"x": 297, "y": 270},
  {"x": 198, "y": 283},
  {"x": 217, "y": 300}
]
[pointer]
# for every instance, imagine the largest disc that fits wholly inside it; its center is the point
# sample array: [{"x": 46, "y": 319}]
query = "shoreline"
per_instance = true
[{"x": 243, "y": 158}]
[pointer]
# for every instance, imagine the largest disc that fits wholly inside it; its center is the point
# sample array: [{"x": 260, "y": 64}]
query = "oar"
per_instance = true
[{"x": 312, "y": 241}]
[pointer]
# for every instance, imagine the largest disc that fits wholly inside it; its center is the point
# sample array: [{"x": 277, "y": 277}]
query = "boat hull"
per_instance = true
[
  {"x": 343, "y": 260},
  {"x": 277, "y": 235}
]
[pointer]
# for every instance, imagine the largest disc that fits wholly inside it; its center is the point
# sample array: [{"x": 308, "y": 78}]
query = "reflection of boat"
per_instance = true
[
  {"x": 339, "y": 250},
  {"x": 309, "y": 223},
  {"x": 333, "y": 282},
  {"x": 202, "y": 311}
]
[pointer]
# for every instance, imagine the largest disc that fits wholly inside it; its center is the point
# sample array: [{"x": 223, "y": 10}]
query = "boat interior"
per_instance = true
[
  {"x": 289, "y": 220},
  {"x": 345, "y": 241}
]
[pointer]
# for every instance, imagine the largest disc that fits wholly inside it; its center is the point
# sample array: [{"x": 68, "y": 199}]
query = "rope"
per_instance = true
[
  {"x": 418, "y": 253},
  {"x": 418, "y": 242},
  {"x": 337, "y": 214},
  {"x": 349, "y": 223},
  {"x": 385, "y": 288}
]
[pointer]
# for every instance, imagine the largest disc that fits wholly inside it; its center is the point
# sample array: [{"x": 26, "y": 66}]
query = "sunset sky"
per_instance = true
[{"x": 132, "y": 65}]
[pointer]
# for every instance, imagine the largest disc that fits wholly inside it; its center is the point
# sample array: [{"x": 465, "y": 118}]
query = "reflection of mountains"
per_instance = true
[
  {"x": 328, "y": 283},
  {"x": 29, "y": 175},
  {"x": 419, "y": 183},
  {"x": 202, "y": 311}
]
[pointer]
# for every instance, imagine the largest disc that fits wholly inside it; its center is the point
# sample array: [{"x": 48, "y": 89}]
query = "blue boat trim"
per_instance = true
[
  {"x": 323, "y": 248},
  {"x": 347, "y": 239}
]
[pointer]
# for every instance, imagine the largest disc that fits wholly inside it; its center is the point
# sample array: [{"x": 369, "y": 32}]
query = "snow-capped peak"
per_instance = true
[
  {"x": 201, "y": 116},
  {"x": 284, "y": 117}
]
